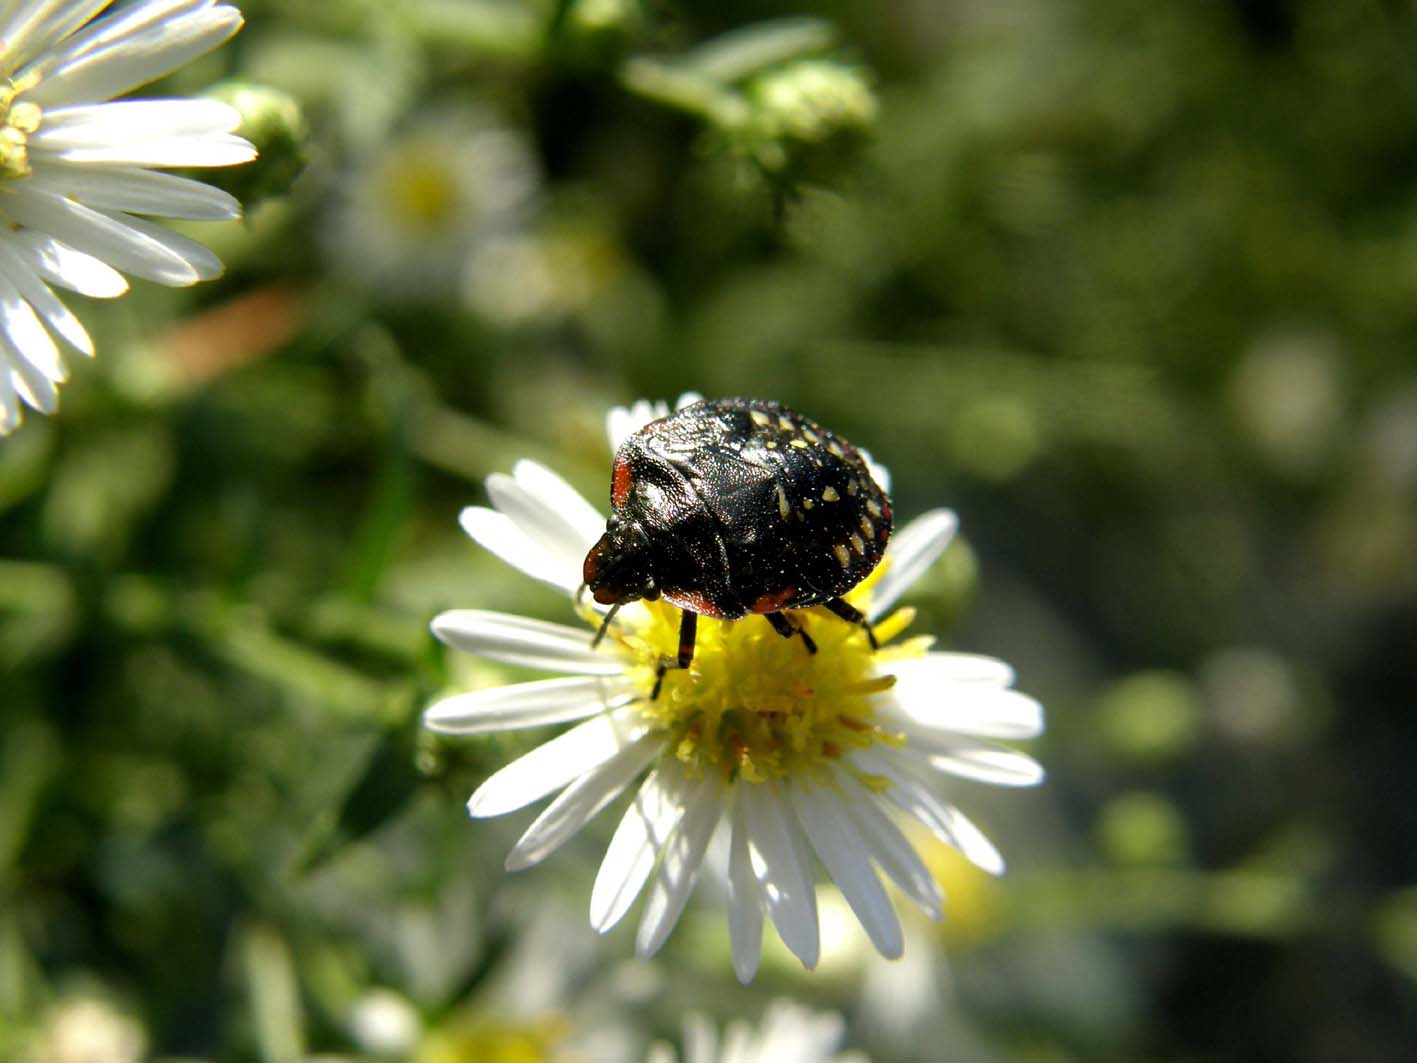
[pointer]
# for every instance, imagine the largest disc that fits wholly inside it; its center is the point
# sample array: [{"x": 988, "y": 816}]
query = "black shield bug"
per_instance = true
[{"x": 738, "y": 506}]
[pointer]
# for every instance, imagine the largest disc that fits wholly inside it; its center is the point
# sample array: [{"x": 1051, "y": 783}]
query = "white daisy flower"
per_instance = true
[
  {"x": 78, "y": 174},
  {"x": 428, "y": 198},
  {"x": 788, "y": 753},
  {"x": 788, "y": 1033}
]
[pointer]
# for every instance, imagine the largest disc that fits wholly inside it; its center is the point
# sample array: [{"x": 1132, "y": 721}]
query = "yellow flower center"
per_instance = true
[
  {"x": 484, "y": 1040},
  {"x": 19, "y": 120},
  {"x": 422, "y": 190},
  {"x": 755, "y": 706}
]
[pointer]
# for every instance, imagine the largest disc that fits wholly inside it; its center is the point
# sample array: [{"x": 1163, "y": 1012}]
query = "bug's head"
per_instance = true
[{"x": 617, "y": 569}]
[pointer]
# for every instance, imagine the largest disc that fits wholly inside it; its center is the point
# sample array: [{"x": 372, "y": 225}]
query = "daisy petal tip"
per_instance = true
[{"x": 745, "y": 969}]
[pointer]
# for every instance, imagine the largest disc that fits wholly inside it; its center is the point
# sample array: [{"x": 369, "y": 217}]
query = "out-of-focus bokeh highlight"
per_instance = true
[{"x": 1131, "y": 286}]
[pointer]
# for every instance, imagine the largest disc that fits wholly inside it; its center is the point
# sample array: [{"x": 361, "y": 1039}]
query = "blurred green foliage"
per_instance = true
[{"x": 1131, "y": 286}]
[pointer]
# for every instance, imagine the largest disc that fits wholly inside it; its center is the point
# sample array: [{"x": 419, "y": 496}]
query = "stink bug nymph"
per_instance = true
[{"x": 738, "y": 506}]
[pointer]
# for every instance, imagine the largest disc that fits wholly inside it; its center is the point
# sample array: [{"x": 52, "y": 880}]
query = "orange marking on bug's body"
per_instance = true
[
  {"x": 694, "y": 601},
  {"x": 620, "y": 481},
  {"x": 772, "y": 601}
]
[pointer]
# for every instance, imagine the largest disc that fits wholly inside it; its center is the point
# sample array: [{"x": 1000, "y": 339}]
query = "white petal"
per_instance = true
[
  {"x": 679, "y": 864},
  {"x": 971, "y": 758},
  {"x": 745, "y": 899},
  {"x": 925, "y": 703},
  {"x": 32, "y": 386},
  {"x": 45, "y": 303},
  {"x": 910, "y": 793},
  {"x": 26, "y": 336},
  {"x": 911, "y": 551},
  {"x": 580, "y": 802},
  {"x": 958, "y": 668},
  {"x": 60, "y": 264},
  {"x": 701, "y": 1041},
  {"x": 587, "y": 522},
  {"x": 553, "y": 764},
  {"x": 132, "y": 48},
  {"x": 782, "y": 874},
  {"x": 10, "y": 413},
  {"x": 36, "y": 26},
  {"x": 198, "y": 258},
  {"x": 101, "y": 235},
  {"x": 889, "y": 847},
  {"x": 144, "y": 133},
  {"x": 519, "y": 705},
  {"x": 138, "y": 191},
  {"x": 646, "y": 827},
  {"x": 624, "y": 421},
  {"x": 842, "y": 850},
  {"x": 522, "y": 641},
  {"x": 878, "y": 472},
  {"x": 504, "y": 537},
  {"x": 789, "y": 1030},
  {"x": 539, "y": 519}
]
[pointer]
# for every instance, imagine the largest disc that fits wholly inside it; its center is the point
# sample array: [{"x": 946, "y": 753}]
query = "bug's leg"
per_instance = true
[
  {"x": 605, "y": 624},
  {"x": 852, "y": 615},
  {"x": 688, "y": 628},
  {"x": 787, "y": 629}
]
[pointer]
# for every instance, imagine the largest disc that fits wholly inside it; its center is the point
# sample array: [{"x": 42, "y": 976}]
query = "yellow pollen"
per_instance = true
[
  {"x": 19, "y": 120},
  {"x": 753, "y": 706}
]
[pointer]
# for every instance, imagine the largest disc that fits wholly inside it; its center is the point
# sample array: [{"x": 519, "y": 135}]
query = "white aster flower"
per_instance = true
[
  {"x": 427, "y": 199},
  {"x": 78, "y": 175},
  {"x": 787, "y": 753},
  {"x": 788, "y": 1033}
]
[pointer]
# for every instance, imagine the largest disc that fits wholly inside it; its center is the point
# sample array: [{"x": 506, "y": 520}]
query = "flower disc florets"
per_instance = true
[{"x": 754, "y": 706}]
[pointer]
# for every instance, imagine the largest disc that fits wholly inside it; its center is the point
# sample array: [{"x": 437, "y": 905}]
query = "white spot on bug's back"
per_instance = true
[
  {"x": 760, "y": 418},
  {"x": 867, "y": 528},
  {"x": 853, "y": 486},
  {"x": 843, "y": 558},
  {"x": 857, "y": 544},
  {"x": 835, "y": 449},
  {"x": 811, "y": 436},
  {"x": 784, "y": 424},
  {"x": 800, "y": 444},
  {"x": 808, "y": 503},
  {"x": 873, "y": 507},
  {"x": 782, "y": 506},
  {"x": 829, "y": 494}
]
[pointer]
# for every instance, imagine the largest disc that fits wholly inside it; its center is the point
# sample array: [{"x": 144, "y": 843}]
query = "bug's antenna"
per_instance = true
[{"x": 605, "y": 624}]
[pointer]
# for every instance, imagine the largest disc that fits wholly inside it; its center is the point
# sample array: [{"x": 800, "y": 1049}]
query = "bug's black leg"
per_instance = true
[
  {"x": 688, "y": 628},
  {"x": 787, "y": 629},
  {"x": 852, "y": 615},
  {"x": 605, "y": 624}
]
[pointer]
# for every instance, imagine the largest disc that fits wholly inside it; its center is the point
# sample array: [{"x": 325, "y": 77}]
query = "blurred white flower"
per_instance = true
[
  {"x": 87, "y": 1030},
  {"x": 79, "y": 174},
  {"x": 409, "y": 220},
  {"x": 384, "y": 1024},
  {"x": 788, "y": 1033},
  {"x": 787, "y": 752}
]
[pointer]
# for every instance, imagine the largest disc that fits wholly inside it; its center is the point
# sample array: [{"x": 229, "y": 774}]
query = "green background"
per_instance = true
[{"x": 1131, "y": 286}]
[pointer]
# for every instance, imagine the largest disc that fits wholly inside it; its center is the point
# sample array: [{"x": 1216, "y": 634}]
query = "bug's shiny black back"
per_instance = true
[{"x": 751, "y": 507}]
